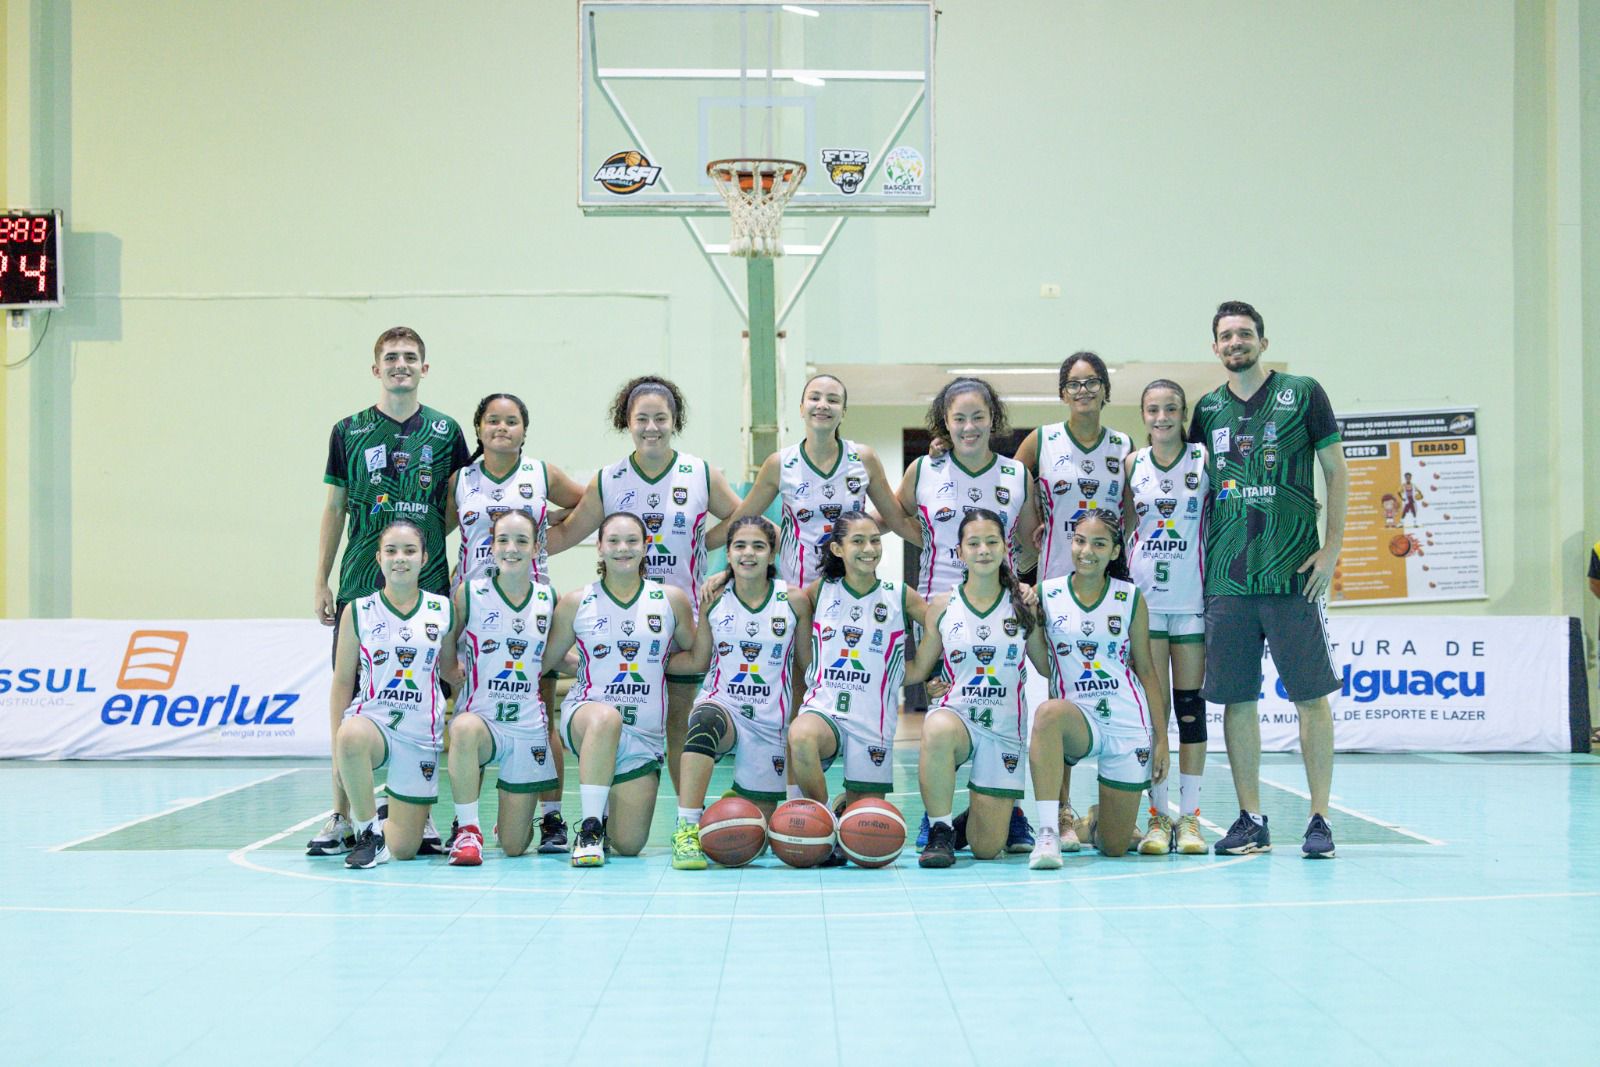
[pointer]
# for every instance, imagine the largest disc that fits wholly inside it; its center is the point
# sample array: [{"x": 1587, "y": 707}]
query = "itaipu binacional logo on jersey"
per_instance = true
[{"x": 625, "y": 173}]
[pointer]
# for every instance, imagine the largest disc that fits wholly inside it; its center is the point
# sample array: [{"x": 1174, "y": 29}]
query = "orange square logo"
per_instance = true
[{"x": 152, "y": 659}]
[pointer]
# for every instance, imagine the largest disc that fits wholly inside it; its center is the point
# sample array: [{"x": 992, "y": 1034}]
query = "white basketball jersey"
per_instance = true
[
  {"x": 502, "y": 649},
  {"x": 812, "y": 502},
  {"x": 673, "y": 507},
  {"x": 1164, "y": 554},
  {"x": 858, "y": 654},
  {"x": 1072, "y": 481},
  {"x": 399, "y": 671},
  {"x": 946, "y": 491},
  {"x": 1089, "y": 658},
  {"x": 480, "y": 500},
  {"x": 622, "y": 653},
  {"x": 985, "y": 656},
  {"x": 750, "y": 664}
]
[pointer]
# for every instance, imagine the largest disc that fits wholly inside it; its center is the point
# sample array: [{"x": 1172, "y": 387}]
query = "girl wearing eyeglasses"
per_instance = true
[{"x": 1079, "y": 467}]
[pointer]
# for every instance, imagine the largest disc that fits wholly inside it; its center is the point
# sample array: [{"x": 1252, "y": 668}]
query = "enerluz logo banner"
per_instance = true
[
  {"x": 1424, "y": 683},
  {"x": 96, "y": 689}
]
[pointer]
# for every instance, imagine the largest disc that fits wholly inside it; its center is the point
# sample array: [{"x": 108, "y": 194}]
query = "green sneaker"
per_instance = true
[{"x": 686, "y": 852}]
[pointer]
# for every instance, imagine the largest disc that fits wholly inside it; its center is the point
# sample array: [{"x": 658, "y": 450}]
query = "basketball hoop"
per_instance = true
[{"x": 756, "y": 191}]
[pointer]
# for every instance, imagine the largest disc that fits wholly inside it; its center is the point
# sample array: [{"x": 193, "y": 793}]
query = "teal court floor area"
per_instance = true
[{"x": 164, "y": 912}]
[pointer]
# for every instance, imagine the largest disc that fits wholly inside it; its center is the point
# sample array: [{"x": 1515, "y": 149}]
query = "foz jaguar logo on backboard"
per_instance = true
[
  {"x": 847, "y": 167},
  {"x": 625, "y": 173}
]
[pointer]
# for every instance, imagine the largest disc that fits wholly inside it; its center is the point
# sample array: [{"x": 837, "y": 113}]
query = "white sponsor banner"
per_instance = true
[
  {"x": 96, "y": 689},
  {"x": 1429, "y": 683},
  {"x": 1433, "y": 683}
]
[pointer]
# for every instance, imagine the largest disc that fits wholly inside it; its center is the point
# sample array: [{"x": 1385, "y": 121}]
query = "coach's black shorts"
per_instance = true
[{"x": 1294, "y": 628}]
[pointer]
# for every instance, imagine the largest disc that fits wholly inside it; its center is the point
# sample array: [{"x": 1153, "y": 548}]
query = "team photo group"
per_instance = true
[{"x": 1161, "y": 570}]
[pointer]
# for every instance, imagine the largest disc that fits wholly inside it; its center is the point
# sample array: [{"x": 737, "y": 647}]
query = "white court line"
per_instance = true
[
  {"x": 180, "y": 806},
  {"x": 240, "y": 858},
  {"x": 1396, "y": 827},
  {"x": 790, "y": 917}
]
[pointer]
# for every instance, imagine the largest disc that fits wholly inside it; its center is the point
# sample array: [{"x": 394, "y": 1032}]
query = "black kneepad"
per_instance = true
[
  {"x": 708, "y": 725},
  {"x": 1189, "y": 705}
]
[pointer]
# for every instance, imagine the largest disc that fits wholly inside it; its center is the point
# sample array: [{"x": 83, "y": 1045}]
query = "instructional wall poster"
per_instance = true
[{"x": 1415, "y": 526}]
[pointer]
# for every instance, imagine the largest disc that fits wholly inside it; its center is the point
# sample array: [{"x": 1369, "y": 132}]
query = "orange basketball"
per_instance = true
[
  {"x": 1399, "y": 544},
  {"x": 801, "y": 833},
  {"x": 733, "y": 831},
  {"x": 872, "y": 832}
]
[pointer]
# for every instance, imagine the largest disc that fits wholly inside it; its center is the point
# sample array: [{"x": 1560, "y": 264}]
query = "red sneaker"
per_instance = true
[{"x": 467, "y": 849}]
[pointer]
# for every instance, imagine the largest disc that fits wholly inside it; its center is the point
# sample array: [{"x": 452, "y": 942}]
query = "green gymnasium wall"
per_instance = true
[{"x": 255, "y": 191}]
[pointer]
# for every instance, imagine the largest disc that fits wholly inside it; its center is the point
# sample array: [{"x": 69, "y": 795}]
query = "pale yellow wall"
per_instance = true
[{"x": 1376, "y": 177}]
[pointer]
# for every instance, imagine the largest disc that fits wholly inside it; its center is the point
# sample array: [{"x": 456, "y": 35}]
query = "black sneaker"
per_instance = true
[
  {"x": 431, "y": 845},
  {"x": 1245, "y": 837},
  {"x": 552, "y": 834},
  {"x": 941, "y": 850},
  {"x": 1319, "y": 840},
  {"x": 590, "y": 849},
  {"x": 370, "y": 851},
  {"x": 836, "y": 858},
  {"x": 959, "y": 824},
  {"x": 455, "y": 828}
]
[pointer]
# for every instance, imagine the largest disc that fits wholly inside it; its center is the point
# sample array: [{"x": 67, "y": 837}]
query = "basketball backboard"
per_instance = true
[{"x": 844, "y": 86}]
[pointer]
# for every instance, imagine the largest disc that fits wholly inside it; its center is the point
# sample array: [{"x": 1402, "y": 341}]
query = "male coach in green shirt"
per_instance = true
[
  {"x": 1266, "y": 576},
  {"x": 391, "y": 460}
]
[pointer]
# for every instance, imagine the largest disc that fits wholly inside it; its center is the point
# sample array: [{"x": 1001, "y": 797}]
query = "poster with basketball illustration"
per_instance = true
[{"x": 1415, "y": 526}]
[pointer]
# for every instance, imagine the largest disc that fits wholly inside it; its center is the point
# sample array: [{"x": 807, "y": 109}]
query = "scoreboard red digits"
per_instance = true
[{"x": 30, "y": 259}]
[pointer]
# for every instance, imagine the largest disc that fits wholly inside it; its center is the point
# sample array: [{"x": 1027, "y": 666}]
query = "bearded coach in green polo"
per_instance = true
[{"x": 1266, "y": 574}]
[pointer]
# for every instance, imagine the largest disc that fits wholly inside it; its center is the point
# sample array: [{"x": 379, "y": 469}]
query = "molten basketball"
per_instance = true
[
  {"x": 801, "y": 833},
  {"x": 872, "y": 832},
  {"x": 1399, "y": 544},
  {"x": 732, "y": 831}
]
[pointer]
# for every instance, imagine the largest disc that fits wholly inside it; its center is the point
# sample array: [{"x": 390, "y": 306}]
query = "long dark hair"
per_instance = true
[
  {"x": 483, "y": 407},
  {"x": 1100, "y": 371},
  {"x": 941, "y": 406},
  {"x": 1008, "y": 578},
  {"x": 768, "y": 531},
  {"x": 832, "y": 565},
  {"x": 1117, "y": 567}
]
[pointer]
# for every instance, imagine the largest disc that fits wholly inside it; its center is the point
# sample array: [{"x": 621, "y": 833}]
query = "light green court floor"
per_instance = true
[{"x": 163, "y": 912}]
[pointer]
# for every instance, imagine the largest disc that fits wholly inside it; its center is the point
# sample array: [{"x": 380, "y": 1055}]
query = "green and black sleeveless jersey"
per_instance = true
[
  {"x": 392, "y": 470},
  {"x": 1261, "y": 516}
]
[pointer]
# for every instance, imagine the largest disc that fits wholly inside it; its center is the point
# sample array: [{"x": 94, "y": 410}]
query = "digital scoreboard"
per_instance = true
[{"x": 30, "y": 259}]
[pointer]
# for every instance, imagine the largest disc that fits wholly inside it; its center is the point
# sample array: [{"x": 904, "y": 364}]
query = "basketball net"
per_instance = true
[{"x": 756, "y": 192}]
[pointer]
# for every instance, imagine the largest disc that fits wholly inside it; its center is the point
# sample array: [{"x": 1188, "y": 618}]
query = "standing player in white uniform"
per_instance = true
[
  {"x": 1080, "y": 467},
  {"x": 750, "y": 635},
  {"x": 982, "y": 633},
  {"x": 938, "y": 491},
  {"x": 675, "y": 495},
  {"x": 499, "y": 478},
  {"x": 852, "y": 702},
  {"x": 502, "y": 624},
  {"x": 626, "y": 628},
  {"x": 389, "y": 648},
  {"x": 818, "y": 479},
  {"x": 1166, "y": 493},
  {"x": 1104, "y": 698}
]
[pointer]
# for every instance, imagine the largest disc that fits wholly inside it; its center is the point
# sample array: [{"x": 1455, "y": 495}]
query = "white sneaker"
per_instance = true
[
  {"x": 337, "y": 836},
  {"x": 1046, "y": 854},
  {"x": 590, "y": 849},
  {"x": 1067, "y": 831},
  {"x": 1158, "y": 838},
  {"x": 1190, "y": 840}
]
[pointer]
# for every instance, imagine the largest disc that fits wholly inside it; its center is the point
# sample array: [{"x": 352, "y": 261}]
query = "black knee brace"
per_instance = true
[
  {"x": 708, "y": 725},
  {"x": 1191, "y": 710}
]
